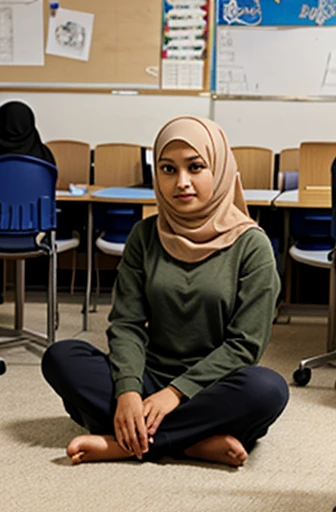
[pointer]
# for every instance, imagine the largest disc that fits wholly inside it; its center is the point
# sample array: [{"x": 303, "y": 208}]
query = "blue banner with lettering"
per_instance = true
[{"x": 251, "y": 13}]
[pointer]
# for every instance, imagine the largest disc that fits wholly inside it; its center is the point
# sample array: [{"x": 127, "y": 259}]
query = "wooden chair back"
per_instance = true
[
  {"x": 316, "y": 159},
  {"x": 72, "y": 161},
  {"x": 117, "y": 165},
  {"x": 256, "y": 166},
  {"x": 289, "y": 160}
]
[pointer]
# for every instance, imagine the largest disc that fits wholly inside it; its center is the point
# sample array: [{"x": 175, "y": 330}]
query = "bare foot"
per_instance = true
[
  {"x": 89, "y": 448},
  {"x": 225, "y": 449}
]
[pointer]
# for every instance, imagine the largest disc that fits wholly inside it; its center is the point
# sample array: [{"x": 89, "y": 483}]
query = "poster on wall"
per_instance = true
[
  {"x": 184, "y": 44},
  {"x": 251, "y": 13},
  {"x": 70, "y": 34},
  {"x": 21, "y": 33}
]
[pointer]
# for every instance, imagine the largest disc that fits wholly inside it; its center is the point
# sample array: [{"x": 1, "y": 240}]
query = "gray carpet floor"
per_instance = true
[{"x": 293, "y": 469}]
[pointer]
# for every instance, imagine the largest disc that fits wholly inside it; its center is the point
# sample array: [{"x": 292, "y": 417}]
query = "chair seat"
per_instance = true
[
  {"x": 114, "y": 248},
  {"x": 67, "y": 244},
  {"x": 313, "y": 258}
]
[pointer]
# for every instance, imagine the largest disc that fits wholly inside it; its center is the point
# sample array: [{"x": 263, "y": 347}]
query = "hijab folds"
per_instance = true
[
  {"x": 18, "y": 133},
  {"x": 194, "y": 236}
]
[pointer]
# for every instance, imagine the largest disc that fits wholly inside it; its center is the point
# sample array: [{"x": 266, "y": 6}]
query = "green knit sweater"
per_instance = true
[{"x": 190, "y": 324}]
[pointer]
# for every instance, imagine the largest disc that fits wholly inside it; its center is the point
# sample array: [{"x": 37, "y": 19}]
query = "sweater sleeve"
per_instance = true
[
  {"x": 127, "y": 333},
  {"x": 249, "y": 328}
]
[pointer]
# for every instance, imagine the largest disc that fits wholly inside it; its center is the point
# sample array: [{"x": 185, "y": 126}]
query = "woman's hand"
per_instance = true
[
  {"x": 129, "y": 424},
  {"x": 158, "y": 405}
]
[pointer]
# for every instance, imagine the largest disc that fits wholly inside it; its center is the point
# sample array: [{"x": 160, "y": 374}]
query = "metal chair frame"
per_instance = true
[
  {"x": 28, "y": 229},
  {"x": 323, "y": 259}
]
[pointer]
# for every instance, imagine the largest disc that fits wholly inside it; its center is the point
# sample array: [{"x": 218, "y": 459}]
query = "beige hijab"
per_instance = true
[{"x": 194, "y": 236}]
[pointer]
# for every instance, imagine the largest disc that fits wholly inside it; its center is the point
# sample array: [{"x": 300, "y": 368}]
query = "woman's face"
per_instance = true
[{"x": 184, "y": 178}]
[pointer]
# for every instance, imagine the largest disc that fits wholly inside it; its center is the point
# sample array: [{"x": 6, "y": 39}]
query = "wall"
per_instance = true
[
  {"x": 276, "y": 124},
  {"x": 97, "y": 118}
]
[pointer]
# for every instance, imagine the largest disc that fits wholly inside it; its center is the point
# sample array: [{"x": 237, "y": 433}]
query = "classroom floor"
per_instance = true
[{"x": 291, "y": 470}]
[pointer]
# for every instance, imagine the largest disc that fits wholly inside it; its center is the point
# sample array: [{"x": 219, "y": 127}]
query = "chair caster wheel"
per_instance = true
[
  {"x": 2, "y": 367},
  {"x": 302, "y": 377}
]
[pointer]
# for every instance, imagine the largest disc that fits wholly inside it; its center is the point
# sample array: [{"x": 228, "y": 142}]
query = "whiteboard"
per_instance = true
[{"x": 281, "y": 62}]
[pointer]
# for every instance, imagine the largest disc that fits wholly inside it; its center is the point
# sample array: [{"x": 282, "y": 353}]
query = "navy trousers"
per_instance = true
[{"x": 243, "y": 404}]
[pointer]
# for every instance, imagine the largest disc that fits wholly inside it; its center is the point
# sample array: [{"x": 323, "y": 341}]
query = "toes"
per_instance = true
[
  {"x": 77, "y": 458},
  {"x": 74, "y": 445},
  {"x": 238, "y": 458}
]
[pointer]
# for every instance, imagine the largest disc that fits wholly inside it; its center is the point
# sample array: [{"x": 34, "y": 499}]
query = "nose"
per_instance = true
[{"x": 183, "y": 180}]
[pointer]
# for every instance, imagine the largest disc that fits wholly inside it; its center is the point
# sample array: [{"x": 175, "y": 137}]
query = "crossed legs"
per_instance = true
[{"x": 221, "y": 423}]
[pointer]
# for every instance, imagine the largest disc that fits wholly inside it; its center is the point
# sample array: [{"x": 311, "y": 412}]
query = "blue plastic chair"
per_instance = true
[
  {"x": 322, "y": 255},
  {"x": 27, "y": 229},
  {"x": 114, "y": 223}
]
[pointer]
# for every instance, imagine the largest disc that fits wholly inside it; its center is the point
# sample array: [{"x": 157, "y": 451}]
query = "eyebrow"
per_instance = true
[{"x": 189, "y": 159}]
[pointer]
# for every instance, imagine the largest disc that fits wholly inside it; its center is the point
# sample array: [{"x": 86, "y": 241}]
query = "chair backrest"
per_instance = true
[
  {"x": 316, "y": 159},
  {"x": 27, "y": 197},
  {"x": 256, "y": 166},
  {"x": 73, "y": 162},
  {"x": 147, "y": 166},
  {"x": 289, "y": 159},
  {"x": 118, "y": 220},
  {"x": 311, "y": 228},
  {"x": 288, "y": 173},
  {"x": 117, "y": 165}
]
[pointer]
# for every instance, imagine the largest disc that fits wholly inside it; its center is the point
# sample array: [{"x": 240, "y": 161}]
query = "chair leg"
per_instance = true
[
  {"x": 73, "y": 273},
  {"x": 19, "y": 294},
  {"x": 330, "y": 355},
  {"x": 89, "y": 268},
  {"x": 331, "y": 341},
  {"x": 97, "y": 279},
  {"x": 288, "y": 278},
  {"x": 315, "y": 361},
  {"x": 4, "y": 280},
  {"x": 52, "y": 292}
]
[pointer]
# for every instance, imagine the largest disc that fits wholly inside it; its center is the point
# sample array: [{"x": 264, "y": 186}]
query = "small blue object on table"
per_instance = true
[{"x": 125, "y": 193}]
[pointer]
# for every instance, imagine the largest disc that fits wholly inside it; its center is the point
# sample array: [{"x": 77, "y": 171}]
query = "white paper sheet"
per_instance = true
[
  {"x": 182, "y": 74},
  {"x": 21, "y": 33},
  {"x": 70, "y": 34}
]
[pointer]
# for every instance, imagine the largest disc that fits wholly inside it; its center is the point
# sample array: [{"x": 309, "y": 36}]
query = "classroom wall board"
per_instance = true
[
  {"x": 276, "y": 61},
  {"x": 125, "y": 48}
]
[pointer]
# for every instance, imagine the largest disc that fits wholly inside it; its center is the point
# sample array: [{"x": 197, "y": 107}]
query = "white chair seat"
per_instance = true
[
  {"x": 313, "y": 258},
  {"x": 67, "y": 244},
  {"x": 114, "y": 248}
]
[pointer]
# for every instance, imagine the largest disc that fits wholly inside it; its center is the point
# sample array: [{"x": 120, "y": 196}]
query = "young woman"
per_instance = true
[
  {"x": 193, "y": 309},
  {"x": 18, "y": 133}
]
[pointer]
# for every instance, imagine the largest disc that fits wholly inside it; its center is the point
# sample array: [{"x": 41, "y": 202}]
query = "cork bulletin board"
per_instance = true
[{"x": 125, "y": 50}]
